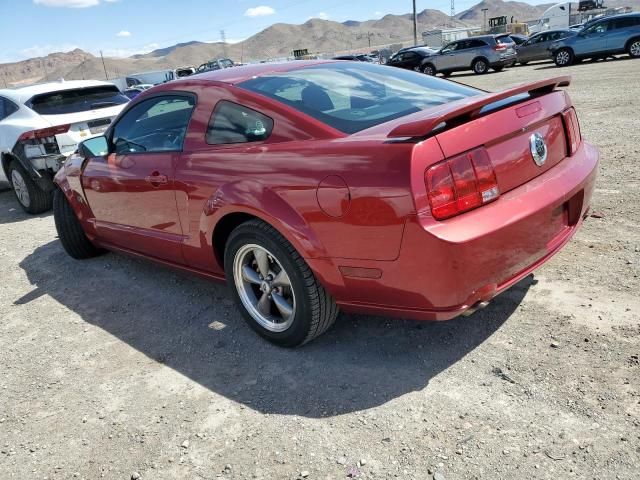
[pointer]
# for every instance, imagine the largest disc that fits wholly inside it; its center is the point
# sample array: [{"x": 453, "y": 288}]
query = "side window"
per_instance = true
[
  {"x": 626, "y": 22},
  {"x": 6, "y": 108},
  {"x": 449, "y": 48},
  {"x": 477, "y": 43},
  {"x": 233, "y": 123},
  {"x": 158, "y": 124},
  {"x": 600, "y": 27}
]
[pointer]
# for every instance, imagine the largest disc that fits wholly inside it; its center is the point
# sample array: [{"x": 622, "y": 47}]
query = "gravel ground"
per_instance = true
[{"x": 115, "y": 368}]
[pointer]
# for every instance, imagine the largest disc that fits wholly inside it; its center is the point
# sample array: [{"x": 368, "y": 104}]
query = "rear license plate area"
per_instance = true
[{"x": 99, "y": 126}]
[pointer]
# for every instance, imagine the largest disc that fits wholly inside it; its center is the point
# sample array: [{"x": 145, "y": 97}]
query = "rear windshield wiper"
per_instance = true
[{"x": 103, "y": 104}]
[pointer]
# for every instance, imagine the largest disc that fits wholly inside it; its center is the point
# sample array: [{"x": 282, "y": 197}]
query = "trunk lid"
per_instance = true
[
  {"x": 83, "y": 125},
  {"x": 503, "y": 123}
]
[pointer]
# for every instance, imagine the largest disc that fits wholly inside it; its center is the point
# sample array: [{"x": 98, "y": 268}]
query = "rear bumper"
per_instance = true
[
  {"x": 505, "y": 62},
  {"x": 445, "y": 268}
]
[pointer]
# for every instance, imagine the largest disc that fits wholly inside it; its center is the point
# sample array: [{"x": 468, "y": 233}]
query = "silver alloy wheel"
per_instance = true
[
  {"x": 480, "y": 67},
  {"x": 428, "y": 70},
  {"x": 562, "y": 58},
  {"x": 20, "y": 187},
  {"x": 264, "y": 287},
  {"x": 635, "y": 49}
]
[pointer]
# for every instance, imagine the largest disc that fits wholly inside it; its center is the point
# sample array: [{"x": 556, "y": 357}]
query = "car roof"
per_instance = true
[
  {"x": 22, "y": 94},
  {"x": 240, "y": 74}
]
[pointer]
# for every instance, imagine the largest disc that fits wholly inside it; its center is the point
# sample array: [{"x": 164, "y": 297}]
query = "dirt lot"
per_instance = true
[{"x": 115, "y": 368}]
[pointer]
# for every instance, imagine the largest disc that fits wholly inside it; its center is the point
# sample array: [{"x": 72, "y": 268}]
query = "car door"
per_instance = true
[
  {"x": 226, "y": 140},
  {"x": 464, "y": 54},
  {"x": 411, "y": 60},
  {"x": 538, "y": 47},
  {"x": 447, "y": 57},
  {"x": 620, "y": 30},
  {"x": 131, "y": 189},
  {"x": 592, "y": 39}
]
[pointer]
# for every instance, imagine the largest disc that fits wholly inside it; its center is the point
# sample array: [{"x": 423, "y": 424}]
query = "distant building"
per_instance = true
[{"x": 439, "y": 38}]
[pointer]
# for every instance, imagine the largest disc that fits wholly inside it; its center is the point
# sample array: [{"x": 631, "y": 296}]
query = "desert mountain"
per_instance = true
[{"x": 277, "y": 40}]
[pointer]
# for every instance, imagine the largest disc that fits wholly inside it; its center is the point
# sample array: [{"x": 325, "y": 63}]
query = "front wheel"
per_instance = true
[
  {"x": 70, "y": 232},
  {"x": 634, "y": 48},
  {"x": 277, "y": 292},
  {"x": 30, "y": 196},
  {"x": 480, "y": 66},
  {"x": 563, "y": 57},
  {"x": 429, "y": 69}
]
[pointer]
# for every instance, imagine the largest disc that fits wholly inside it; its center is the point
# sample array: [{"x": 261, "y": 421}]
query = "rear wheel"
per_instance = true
[
  {"x": 563, "y": 57},
  {"x": 429, "y": 69},
  {"x": 30, "y": 196},
  {"x": 480, "y": 66},
  {"x": 70, "y": 232},
  {"x": 278, "y": 294},
  {"x": 634, "y": 48}
]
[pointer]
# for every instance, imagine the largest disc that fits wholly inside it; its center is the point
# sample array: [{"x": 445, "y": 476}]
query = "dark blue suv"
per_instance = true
[{"x": 600, "y": 38}]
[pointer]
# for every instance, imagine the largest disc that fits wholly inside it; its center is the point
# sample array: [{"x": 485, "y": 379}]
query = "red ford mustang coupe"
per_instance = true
[{"x": 313, "y": 186}]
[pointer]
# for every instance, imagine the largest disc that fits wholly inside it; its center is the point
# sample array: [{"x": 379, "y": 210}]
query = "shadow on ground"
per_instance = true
[
  {"x": 10, "y": 210},
  {"x": 191, "y": 326}
]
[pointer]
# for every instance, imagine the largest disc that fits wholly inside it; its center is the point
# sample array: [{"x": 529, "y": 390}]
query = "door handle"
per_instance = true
[{"x": 156, "y": 179}]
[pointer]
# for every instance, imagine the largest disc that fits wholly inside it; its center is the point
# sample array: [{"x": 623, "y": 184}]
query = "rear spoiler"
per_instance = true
[{"x": 458, "y": 112}]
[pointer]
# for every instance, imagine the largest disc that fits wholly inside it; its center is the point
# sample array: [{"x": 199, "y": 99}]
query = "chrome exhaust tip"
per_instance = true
[{"x": 474, "y": 308}]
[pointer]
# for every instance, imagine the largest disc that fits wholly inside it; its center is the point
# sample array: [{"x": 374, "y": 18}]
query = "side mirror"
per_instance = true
[{"x": 94, "y": 147}]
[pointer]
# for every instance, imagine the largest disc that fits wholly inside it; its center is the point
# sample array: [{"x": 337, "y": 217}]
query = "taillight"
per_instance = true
[
  {"x": 572, "y": 130},
  {"x": 500, "y": 47},
  {"x": 461, "y": 184},
  {"x": 41, "y": 142},
  {"x": 44, "y": 132}
]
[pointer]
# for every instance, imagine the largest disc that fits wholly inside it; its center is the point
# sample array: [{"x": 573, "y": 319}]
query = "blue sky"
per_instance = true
[{"x": 125, "y": 27}]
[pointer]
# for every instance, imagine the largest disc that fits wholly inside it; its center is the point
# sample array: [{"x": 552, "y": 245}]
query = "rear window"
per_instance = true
[
  {"x": 76, "y": 100},
  {"x": 504, "y": 39},
  {"x": 354, "y": 96}
]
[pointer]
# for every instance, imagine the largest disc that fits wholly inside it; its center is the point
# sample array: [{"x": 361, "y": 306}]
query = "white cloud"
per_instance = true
[
  {"x": 378, "y": 13},
  {"x": 67, "y": 3},
  {"x": 323, "y": 16},
  {"x": 123, "y": 33},
  {"x": 260, "y": 11}
]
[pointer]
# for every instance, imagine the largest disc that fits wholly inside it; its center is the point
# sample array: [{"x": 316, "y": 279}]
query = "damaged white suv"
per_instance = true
[{"x": 41, "y": 125}]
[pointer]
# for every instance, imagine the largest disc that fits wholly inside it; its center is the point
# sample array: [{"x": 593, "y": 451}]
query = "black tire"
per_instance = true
[
  {"x": 70, "y": 232},
  {"x": 633, "y": 49},
  {"x": 498, "y": 69},
  {"x": 563, "y": 57},
  {"x": 480, "y": 66},
  {"x": 429, "y": 69},
  {"x": 30, "y": 196},
  {"x": 315, "y": 309}
]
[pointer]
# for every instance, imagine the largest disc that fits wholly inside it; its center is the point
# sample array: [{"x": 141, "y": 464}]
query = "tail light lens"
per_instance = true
[
  {"x": 461, "y": 184},
  {"x": 572, "y": 130},
  {"x": 41, "y": 142},
  {"x": 44, "y": 132},
  {"x": 500, "y": 47}
]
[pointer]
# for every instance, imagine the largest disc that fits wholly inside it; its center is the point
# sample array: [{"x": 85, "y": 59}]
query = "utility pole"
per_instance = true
[
  {"x": 484, "y": 11},
  {"x": 104, "y": 66},
  {"x": 223, "y": 38},
  {"x": 415, "y": 24},
  {"x": 453, "y": 11},
  {"x": 44, "y": 67}
]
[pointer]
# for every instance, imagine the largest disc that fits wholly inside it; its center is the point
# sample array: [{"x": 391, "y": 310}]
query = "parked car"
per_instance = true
[
  {"x": 410, "y": 58},
  {"x": 356, "y": 58},
  {"x": 312, "y": 186},
  {"x": 41, "y": 125},
  {"x": 537, "y": 47},
  {"x": 607, "y": 36},
  {"x": 478, "y": 54},
  {"x": 217, "y": 64}
]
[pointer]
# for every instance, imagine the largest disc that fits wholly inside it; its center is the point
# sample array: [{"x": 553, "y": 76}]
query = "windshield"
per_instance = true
[
  {"x": 353, "y": 96},
  {"x": 77, "y": 100}
]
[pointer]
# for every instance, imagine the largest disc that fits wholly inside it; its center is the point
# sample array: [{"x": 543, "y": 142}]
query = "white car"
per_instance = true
[{"x": 41, "y": 125}]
